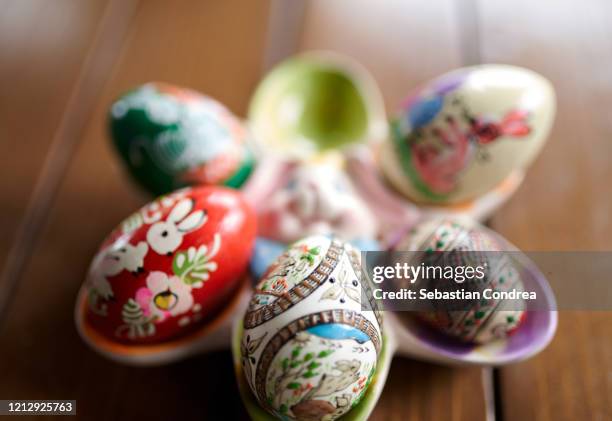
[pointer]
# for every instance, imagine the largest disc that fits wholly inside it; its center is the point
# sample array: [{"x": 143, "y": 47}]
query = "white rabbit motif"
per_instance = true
[
  {"x": 166, "y": 236},
  {"x": 110, "y": 262},
  {"x": 126, "y": 257}
]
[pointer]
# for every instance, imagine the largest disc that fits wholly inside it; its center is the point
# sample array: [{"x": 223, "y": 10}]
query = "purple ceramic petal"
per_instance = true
[
  {"x": 540, "y": 324},
  {"x": 536, "y": 331},
  {"x": 448, "y": 84}
]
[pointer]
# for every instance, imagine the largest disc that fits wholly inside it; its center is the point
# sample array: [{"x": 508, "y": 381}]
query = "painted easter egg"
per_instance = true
[
  {"x": 266, "y": 251},
  {"x": 171, "y": 137},
  {"x": 461, "y": 242},
  {"x": 309, "y": 350},
  {"x": 316, "y": 199},
  {"x": 463, "y": 133},
  {"x": 171, "y": 266}
]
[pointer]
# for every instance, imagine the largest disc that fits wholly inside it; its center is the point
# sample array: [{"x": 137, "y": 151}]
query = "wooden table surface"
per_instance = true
[{"x": 63, "y": 61}]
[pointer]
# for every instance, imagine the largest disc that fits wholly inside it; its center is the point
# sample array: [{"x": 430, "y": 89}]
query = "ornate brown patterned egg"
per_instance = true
[
  {"x": 309, "y": 350},
  {"x": 479, "y": 317}
]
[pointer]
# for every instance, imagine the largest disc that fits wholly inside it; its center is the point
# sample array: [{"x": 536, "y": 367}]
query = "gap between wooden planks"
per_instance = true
[{"x": 565, "y": 202}]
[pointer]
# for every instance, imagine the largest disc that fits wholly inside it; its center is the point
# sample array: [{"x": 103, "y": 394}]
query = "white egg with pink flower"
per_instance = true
[{"x": 465, "y": 132}]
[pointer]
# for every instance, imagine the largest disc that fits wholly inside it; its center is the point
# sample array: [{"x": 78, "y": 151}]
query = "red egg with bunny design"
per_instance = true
[{"x": 171, "y": 266}]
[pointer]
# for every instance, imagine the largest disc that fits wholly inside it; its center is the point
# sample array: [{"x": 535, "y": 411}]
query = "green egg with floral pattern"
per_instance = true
[{"x": 170, "y": 137}]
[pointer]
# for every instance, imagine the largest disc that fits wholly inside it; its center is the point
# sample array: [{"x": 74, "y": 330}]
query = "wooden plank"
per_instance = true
[
  {"x": 565, "y": 202},
  {"x": 93, "y": 74},
  {"x": 403, "y": 44},
  {"x": 215, "y": 47},
  {"x": 420, "y": 391},
  {"x": 41, "y": 54},
  {"x": 284, "y": 30}
]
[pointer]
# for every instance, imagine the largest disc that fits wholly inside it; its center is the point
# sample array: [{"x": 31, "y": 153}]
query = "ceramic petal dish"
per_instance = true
[
  {"x": 316, "y": 102},
  {"x": 214, "y": 335}
]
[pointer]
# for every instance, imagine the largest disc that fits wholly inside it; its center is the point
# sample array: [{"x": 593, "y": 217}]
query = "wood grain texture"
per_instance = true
[
  {"x": 215, "y": 47},
  {"x": 41, "y": 55},
  {"x": 420, "y": 391},
  {"x": 93, "y": 74},
  {"x": 564, "y": 197},
  {"x": 565, "y": 202},
  {"x": 403, "y": 44}
]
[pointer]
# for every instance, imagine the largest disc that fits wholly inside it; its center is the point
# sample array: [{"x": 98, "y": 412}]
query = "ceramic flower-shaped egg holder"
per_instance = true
[
  {"x": 458, "y": 147},
  {"x": 166, "y": 282},
  {"x": 313, "y": 103},
  {"x": 493, "y": 118}
]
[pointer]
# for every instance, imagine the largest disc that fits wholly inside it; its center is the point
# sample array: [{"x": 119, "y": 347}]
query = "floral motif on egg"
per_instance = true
[
  {"x": 318, "y": 365},
  {"x": 171, "y": 137},
  {"x": 434, "y": 149}
]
